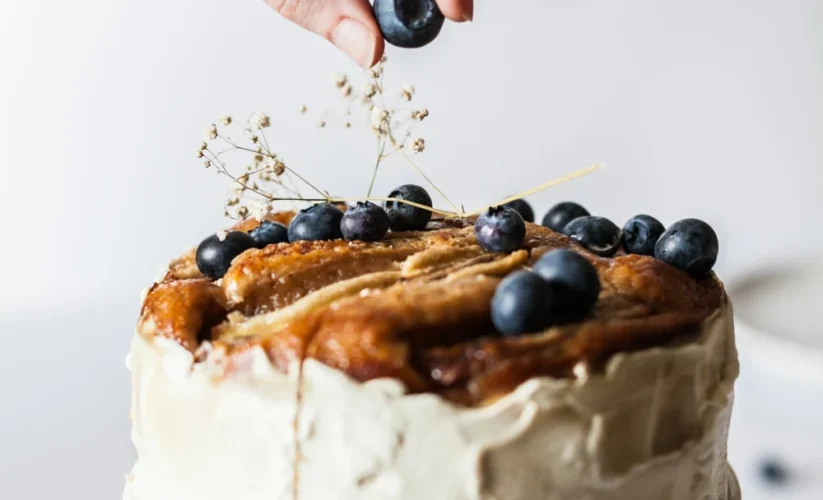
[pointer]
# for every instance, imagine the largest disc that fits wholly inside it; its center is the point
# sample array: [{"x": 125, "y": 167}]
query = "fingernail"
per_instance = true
[
  {"x": 357, "y": 41},
  {"x": 468, "y": 13}
]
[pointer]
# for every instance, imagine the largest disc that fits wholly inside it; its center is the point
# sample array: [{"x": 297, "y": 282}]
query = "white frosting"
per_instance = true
[{"x": 653, "y": 426}]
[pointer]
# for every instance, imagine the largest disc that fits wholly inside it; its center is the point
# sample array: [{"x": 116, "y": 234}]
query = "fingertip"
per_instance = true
[
  {"x": 358, "y": 41},
  {"x": 361, "y": 12},
  {"x": 379, "y": 50},
  {"x": 457, "y": 10}
]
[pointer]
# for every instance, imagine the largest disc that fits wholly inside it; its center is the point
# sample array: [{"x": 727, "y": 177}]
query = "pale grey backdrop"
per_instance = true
[{"x": 703, "y": 108}]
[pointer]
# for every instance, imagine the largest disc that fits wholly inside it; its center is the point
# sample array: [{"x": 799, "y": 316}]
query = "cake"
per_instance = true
[{"x": 321, "y": 370}]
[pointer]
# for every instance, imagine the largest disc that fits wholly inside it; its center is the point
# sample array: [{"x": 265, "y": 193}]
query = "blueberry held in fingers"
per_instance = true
[
  {"x": 215, "y": 254},
  {"x": 319, "y": 222},
  {"x": 574, "y": 281},
  {"x": 365, "y": 222},
  {"x": 597, "y": 234},
  {"x": 405, "y": 217},
  {"x": 690, "y": 245},
  {"x": 640, "y": 234},
  {"x": 269, "y": 233},
  {"x": 408, "y": 23},
  {"x": 523, "y": 208},
  {"x": 561, "y": 214},
  {"x": 500, "y": 229},
  {"x": 519, "y": 304}
]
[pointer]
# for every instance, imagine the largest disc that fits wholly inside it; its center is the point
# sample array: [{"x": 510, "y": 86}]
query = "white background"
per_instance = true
[{"x": 706, "y": 108}]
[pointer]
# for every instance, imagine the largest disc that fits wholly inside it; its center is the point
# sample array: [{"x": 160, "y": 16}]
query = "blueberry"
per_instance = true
[
  {"x": 269, "y": 233},
  {"x": 574, "y": 281},
  {"x": 365, "y": 222},
  {"x": 214, "y": 256},
  {"x": 408, "y": 23},
  {"x": 407, "y": 217},
  {"x": 519, "y": 304},
  {"x": 773, "y": 472},
  {"x": 561, "y": 214},
  {"x": 690, "y": 245},
  {"x": 641, "y": 233},
  {"x": 317, "y": 223},
  {"x": 597, "y": 234},
  {"x": 523, "y": 208},
  {"x": 500, "y": 229}
]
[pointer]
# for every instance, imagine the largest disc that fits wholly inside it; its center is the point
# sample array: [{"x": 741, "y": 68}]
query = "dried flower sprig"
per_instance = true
[{"x": 267, "y": 179}]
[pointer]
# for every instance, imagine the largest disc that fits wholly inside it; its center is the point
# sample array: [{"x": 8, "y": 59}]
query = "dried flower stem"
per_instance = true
[
  {"x": 560, "y": 180},
  {"x": 383, "y": 122},
  {"x": 432, "y": 184},
  {"x": 460, "y": 213},
  {"x": 381, "y": 147},
  {"x": 269, "y": 155}
]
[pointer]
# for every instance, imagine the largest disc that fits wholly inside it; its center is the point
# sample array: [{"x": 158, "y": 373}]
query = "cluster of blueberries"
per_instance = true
[
  {"x": 322, "y": 222},
  {"x": 689, "y": 244},
  {"x": 562, "y": 287}
]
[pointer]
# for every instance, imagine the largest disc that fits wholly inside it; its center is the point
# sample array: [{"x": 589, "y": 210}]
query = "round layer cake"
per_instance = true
[{"x": 373, "y": 371}]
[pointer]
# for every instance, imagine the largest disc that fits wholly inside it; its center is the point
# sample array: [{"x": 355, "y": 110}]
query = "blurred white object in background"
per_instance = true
[
  {"x": 779, "y": 326},
  {"x": 703, "y": 109}
]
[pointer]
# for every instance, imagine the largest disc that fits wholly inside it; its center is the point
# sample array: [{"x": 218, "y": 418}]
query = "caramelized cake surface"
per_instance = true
[{"x": 416, "y": 307}]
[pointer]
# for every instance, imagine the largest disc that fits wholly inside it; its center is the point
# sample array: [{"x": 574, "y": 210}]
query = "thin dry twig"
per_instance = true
[{"x": 264, "y": 177}]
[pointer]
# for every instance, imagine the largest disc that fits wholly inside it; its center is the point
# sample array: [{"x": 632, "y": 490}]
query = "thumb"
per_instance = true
[{"x": 348, "y": 24}]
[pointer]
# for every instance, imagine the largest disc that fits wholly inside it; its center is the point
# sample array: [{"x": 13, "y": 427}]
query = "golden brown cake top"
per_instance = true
[{"x": 416, "y": 307}]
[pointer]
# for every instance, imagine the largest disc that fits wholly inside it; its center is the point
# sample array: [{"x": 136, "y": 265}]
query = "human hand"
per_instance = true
[{"x": 350, "y": 24}]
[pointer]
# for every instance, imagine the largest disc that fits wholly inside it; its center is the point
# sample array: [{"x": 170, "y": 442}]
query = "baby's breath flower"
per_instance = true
[
  {"x": 211, "y": 132},
  {"x": 376, "y": 70},
  {"x": 339, "y": 79},
  {"x": 264, "y": 176},
  {"x": 420, "y": 114},
  {"x": 260, "y": 120},
  {"x": 277, "y": 167},
  {"x": 368, "y": 89},
  {"x": 417, "y": 145},
  {"x": 260, "y": 210},
  {"x": 378, "y": 116}
]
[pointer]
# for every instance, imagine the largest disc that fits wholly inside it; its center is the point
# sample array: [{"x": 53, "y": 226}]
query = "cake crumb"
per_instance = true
[{"x": 581, "y": 370}]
